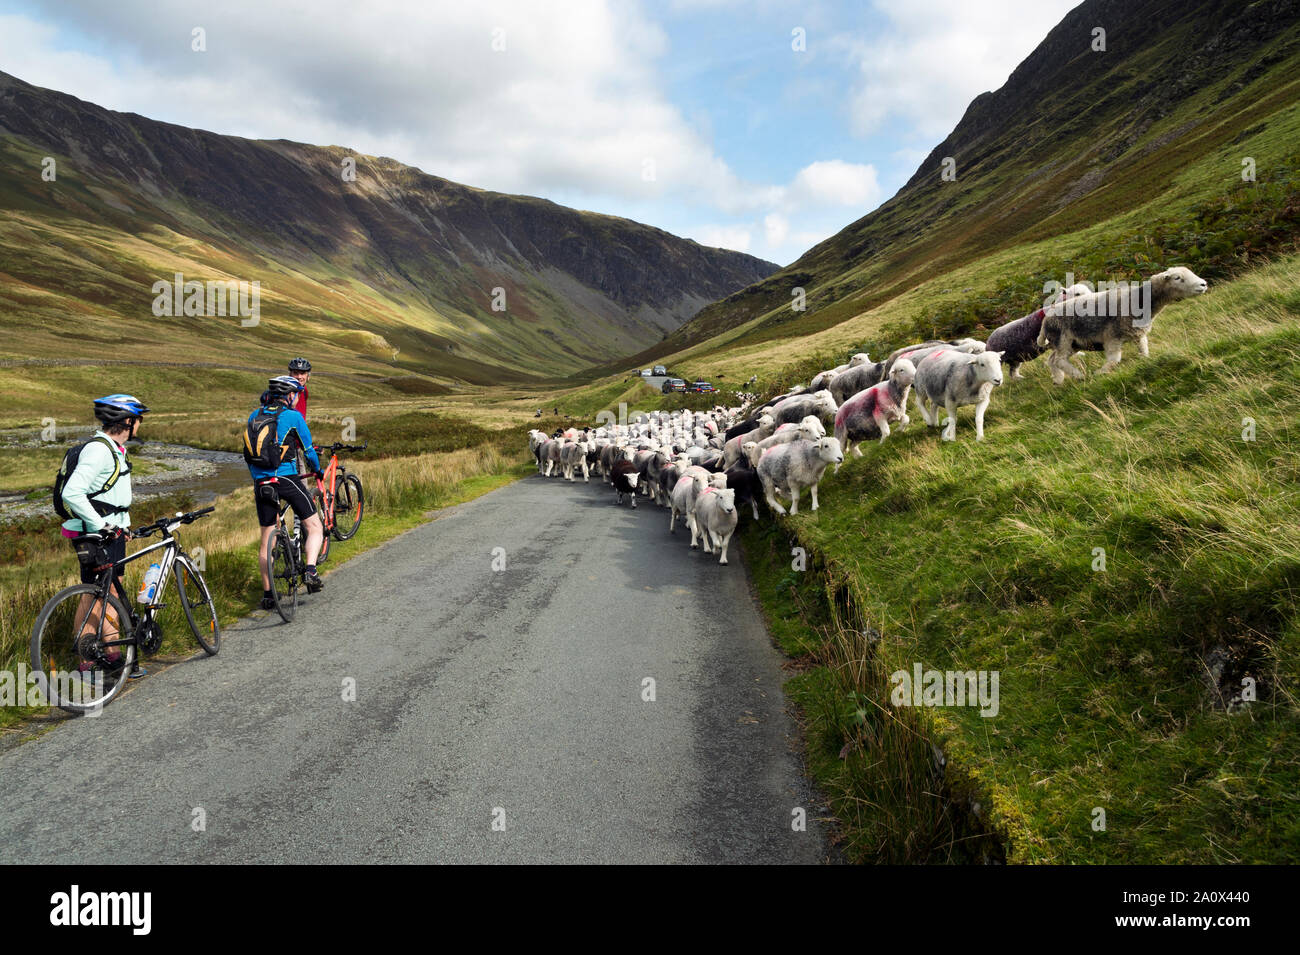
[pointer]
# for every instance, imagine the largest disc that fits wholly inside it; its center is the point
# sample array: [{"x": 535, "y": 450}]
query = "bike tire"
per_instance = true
[
  {"x": 349, "y": 508},
  {"x": 284, "y": 576},
  {"x": 54, "y": 652},
  {"x": 194, "y": 596}
]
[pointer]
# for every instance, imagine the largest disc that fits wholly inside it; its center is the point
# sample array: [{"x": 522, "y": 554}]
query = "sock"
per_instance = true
[
  {"x": 311, "y": 568},
  {"x": 267, "y": 593}
]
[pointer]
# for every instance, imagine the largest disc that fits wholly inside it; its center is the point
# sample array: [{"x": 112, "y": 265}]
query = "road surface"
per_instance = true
[{"x": 499, "y": 715}]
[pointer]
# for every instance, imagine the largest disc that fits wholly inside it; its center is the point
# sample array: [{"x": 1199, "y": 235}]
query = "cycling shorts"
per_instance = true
[{"x": 289, "y": 489}]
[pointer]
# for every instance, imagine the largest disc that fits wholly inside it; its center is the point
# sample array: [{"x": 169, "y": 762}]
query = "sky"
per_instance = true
[{"x": 763, "y": 127}]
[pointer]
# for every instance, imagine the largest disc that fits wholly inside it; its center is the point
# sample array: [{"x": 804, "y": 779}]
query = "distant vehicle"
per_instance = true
[
  {"x": 673, "y": 384},
  {"x": 703, "y": 388},
  {"x": 646, "y": 373},
  {"x": 660, "y": 370}
]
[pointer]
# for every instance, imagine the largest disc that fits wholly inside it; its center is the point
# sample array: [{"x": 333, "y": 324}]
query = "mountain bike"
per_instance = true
[
  {"x": 80, "y": 650},
  {"x": 340, "y": 500}
]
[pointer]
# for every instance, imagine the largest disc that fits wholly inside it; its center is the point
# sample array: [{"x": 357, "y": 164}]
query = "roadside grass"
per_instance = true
[
  {"x": 400, "y": 493},
  {"x": 1122, "y": 556}
]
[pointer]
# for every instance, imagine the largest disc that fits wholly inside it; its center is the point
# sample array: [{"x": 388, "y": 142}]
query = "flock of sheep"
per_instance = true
[{"x": 702, "y": 465}]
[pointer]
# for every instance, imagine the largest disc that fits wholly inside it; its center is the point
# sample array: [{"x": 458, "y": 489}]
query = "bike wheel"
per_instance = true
[
  {"x": 64, "y": 640},
  {"x": 348, "y": 508},
  {"x": 284, "y": 576},
  {"x": 196, "y": 601}
]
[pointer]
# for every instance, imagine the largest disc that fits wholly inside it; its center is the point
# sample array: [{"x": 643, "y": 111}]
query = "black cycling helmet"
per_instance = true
[
  {"x": 282, "y": 386},
  {"x": 300, "y": 364},
  {"x": 114, "y": 409}
]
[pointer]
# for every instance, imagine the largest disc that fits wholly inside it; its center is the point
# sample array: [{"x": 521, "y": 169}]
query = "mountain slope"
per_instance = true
[
  {"x": 1074, "y": 138},
  {"x": 394, "y": 261}
]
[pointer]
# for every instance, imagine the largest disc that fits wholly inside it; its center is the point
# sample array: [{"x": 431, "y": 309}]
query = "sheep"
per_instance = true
[
  {"x": 573, "y": 455},
  {"x": 823, "y": 379},
  {"x": 716, "y": 519},
  {"x": 744, "y": 481},
  {"x": 957, "y": 379},
  {"x": 867, "y": 414},
  {"x": 915, "y": 353},
  {"x": 809, "y": 429},
  {"x": 760, "y": 422},
  {"x": 1111, "y": 316},
  {"x": 762, "y": 427},
  {"x": 689, "y": 487},
  {"x": 551, "y": 452},
  {"x": 624, "y": 478},
  {"x": 654, "y": 470},
  {"x": 1017, "y": 340},
  {"x": 795, "y": 466},
  {"x": 847, "y": 384},
  {"x": 797, "y": 407}
]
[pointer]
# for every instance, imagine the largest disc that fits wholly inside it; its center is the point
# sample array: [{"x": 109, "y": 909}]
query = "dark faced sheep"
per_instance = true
[{"x": 625, "y": 477}]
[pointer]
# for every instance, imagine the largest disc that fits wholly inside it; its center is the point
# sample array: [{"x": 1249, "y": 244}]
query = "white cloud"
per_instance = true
[
  {"x": 733, "y": 237},
  {"x": 836, "y": 182},
  {"x": 936, "y": 57},
  {"x": 775, "y": 229}
]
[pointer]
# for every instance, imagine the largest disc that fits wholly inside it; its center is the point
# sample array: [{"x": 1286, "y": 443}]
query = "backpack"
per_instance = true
[
  {"x": 260, "y": 447},
  {"x": 70, "y": 460}
]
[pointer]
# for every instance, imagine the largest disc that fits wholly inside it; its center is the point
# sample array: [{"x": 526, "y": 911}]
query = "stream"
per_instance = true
[{"x": 171, "y": 467}]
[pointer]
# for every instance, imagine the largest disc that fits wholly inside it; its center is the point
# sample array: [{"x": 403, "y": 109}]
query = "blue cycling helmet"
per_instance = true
[
  {"x": 113, "y": 409},
  {"x": 283, "y": 386}
]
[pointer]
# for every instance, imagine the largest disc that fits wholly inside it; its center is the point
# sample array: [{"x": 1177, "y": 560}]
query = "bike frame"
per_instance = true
[{"x": 108, "y": 580}]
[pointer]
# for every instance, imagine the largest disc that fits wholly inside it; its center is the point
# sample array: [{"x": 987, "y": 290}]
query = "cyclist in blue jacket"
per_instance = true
[{"x": 291, "y": 435}]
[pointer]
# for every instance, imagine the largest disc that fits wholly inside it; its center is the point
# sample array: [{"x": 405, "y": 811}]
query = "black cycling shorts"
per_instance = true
[
  {"x": 111, "y": 551},
  {"x": 290, "y": 489}
]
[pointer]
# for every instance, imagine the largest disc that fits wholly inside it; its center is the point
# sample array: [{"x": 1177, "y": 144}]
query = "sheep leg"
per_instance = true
[
  {"x": 690, "y": 522},
  {"x": 950, "y": 426},
  {"x": 753, "y": 502},
  {"x": 979, "y": 417},
  {"x": 1144, "y": 347},
  {"x": 857, "y": 450},
  {"x": 884, "y": 430},
  {"x": 672, "y": 519},
  {"x": 813, "y": 489},
  {"x": 1113, "y": 354},
  {"x": 705, "y": 536},
  {"x": 770, "y": 493},
  {"x": 726, "y": 540},
  {"x": 794, "y": 499}
]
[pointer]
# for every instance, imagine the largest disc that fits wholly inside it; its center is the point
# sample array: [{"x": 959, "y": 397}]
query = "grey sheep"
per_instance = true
[
  {"x": 955, "y": 379},
  {"x": 789, "y": 468}
]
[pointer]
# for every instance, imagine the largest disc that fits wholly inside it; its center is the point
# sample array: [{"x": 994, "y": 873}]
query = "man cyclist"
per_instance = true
[
  {"x": 97, "y": 493},
  {"x": 291, "y": 435},
  {"x": 300, "y": 371}
]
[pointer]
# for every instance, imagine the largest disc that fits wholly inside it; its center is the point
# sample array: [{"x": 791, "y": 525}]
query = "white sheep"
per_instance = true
[
  {"x": 716, "y": 519},
  {"x": 792, "y": 467},
  {"x": 955, "y": 379}
]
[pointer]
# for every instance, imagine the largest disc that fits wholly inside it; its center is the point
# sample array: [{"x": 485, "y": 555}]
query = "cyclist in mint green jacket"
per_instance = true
[{"x": 98, "y": 495}]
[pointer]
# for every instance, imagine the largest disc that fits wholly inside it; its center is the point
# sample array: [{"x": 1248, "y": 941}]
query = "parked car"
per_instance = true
[
  {"x": 673, "y": 384},
  {"x": 646, "y": 373},
  {"x": 703, "y": 388},
  {"x": 660, "y": 370}
]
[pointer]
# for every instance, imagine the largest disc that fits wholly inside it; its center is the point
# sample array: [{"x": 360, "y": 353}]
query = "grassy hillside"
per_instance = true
[
  {"x": 1117, "y": 684},
  {"x": 382, "y": 270}
]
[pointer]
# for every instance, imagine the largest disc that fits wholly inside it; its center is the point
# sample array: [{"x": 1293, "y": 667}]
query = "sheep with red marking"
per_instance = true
[{"x": 867, "y": 414}]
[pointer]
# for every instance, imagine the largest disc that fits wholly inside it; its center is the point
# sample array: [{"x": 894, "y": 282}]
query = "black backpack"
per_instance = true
[
  {"x": 260, "y": 447},
  {"x": 70, "y": 459}
]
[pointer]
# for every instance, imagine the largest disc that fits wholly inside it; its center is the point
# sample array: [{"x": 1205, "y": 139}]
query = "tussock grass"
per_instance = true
[{"x": 1120, "y": 687}]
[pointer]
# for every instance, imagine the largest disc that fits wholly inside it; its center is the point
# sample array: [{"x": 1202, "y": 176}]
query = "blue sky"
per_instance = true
[{"x": 695, "y": 116}]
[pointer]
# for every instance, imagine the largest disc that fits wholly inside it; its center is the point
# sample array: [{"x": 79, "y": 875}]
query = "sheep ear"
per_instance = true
[{"x": 971, "y": 360}]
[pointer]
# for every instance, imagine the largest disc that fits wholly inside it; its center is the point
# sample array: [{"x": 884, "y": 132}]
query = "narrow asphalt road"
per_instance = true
[{"x": 498, "y": 715}]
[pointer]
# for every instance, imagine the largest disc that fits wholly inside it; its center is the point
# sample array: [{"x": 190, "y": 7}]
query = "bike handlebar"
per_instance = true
[
  {"x": 149, "y": 529},
  {"x": 341, "y": 447}
]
